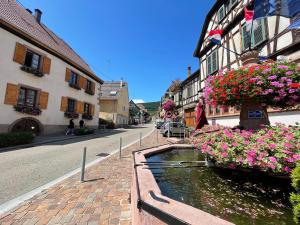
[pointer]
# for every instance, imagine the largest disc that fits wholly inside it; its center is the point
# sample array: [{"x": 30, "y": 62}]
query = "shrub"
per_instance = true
[
  {"x": 272, "y": 84},
  {"x": 83, "y": 131},
  {"x": 274, "y": 148},
  {"x": 295, "y": 197},
  {"x": 108, "y": 123},
  {"x": 14, "y": 139}
]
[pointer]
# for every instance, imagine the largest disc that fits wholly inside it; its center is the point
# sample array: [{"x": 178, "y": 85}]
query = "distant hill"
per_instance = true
[{"x": 152, "y": 106}]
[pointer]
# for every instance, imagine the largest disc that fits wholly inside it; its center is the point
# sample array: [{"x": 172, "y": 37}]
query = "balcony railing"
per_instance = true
[
  {"x": 33, "y": 71},
  {"x": 31, "y": 110}
]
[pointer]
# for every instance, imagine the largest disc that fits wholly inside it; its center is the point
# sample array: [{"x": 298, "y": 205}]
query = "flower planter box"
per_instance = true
[
  {"x": 90, "y": 92},
  {"x": 33, "y": 71},
  {"x": 87, "y": 117},
  {"x": 71, "y": 115},
  {"x": 35, "y": 111},
  {"x": 75, "y": 86}
]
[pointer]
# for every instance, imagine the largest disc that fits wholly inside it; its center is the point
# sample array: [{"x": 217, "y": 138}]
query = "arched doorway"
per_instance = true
[{"x": 27, "y": 125}]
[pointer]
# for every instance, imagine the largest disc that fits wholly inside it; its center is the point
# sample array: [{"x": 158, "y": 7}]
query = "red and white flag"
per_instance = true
[
  {"x": 215, "y": 36},
  {"x": 250, "y": 23}
]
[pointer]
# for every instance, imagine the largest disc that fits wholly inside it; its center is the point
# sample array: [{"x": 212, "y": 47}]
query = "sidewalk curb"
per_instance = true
[
  {"x": 11, "y": 204},
  {"x": 36, "y": 144}
]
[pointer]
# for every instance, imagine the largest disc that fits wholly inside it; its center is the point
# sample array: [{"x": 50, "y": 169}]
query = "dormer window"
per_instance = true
[{"x": 32, "y": 60}]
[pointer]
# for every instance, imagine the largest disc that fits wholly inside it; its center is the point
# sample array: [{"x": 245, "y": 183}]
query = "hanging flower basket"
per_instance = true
[
  {"x": 271, "y": 84},
  {"x": 169, "y": 105}
]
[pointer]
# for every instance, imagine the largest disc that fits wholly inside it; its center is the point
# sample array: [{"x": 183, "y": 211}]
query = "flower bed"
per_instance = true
[
  {"x": 272, "y": 84},
  {"x": 275, "y": 149}
]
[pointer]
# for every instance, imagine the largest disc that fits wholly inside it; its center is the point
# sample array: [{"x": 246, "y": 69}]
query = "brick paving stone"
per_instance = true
[{"x": 104, "y": 199}]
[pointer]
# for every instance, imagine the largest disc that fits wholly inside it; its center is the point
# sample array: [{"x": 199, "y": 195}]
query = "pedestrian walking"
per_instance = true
[
  {"x": 81, "y": 123},
  {"x": 70, "y": 128}
]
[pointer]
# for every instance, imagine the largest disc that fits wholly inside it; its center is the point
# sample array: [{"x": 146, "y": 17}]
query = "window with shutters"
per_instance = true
[
  {"x": 33, "y": 63},
  {"x": 28, "y": 101},
  {"x": 89, "y": 88},
  {"x": 32, "y": 60},
  {"x": 221, "y": 13},
  {"x": 212, "y": 62},
  {"x": 87, "y": 108},
  {"x": 27, "y": 97},
  {"x": 258, "y": 35},
  {"x": 71, "y": 105},
  {"x": 74, "y": 80}
]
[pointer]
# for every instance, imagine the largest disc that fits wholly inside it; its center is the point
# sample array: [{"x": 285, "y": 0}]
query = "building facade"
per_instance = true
[
  {"x": 114, "y": 101},
  {"x": 271, "y": 40},
  {"x": 44, "y": 83}
]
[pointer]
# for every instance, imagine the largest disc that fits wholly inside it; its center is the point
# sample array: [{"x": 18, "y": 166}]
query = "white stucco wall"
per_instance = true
[
  {"x": 287, "y": 118},
  {"x": 54, "y": 84}
]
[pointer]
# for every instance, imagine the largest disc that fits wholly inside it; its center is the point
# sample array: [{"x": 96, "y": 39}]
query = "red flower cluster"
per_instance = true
[{"x": 273, "y": 84}]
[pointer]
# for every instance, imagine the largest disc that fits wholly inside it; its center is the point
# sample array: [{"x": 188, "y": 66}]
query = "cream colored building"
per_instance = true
[
  {"x": 114, "y": 101},
  {"x": 44, "y": 82},
  {"x": 272, "y": 39}
]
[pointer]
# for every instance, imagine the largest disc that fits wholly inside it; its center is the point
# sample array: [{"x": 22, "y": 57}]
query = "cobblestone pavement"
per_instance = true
[{"x": 103, "y": 199}]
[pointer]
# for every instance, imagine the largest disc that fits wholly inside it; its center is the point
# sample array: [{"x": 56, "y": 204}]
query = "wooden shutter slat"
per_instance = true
[
  {"x": 68, "y": 75},
  {"x": 20, "y": 53},
  {"x": 46, "y": 65},
  {"x": 11, "y": 96},
  {"x": 64, "y": 104},
  {"x": 44, "y": 100}
]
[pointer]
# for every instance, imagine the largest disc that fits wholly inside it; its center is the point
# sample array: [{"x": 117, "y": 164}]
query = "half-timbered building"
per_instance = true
[
  {"x": 271, "y": 39},
  {"x": 44, "y": 82}
]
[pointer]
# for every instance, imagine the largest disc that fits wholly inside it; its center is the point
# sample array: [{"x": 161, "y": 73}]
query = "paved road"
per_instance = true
[{"x": 26, "y": 169}]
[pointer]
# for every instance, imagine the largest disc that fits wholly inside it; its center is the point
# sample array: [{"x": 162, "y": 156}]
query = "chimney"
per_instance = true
[
  {"x": 28, "y": 10},
  {"x": 189, "y": 73},
  {"x": 121, "y": 83},
  {"x": 38, "y": 15}
]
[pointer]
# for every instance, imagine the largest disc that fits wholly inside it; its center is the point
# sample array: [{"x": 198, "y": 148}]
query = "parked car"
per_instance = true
[
  {"x": 176, "y": 129},
  {"x": 159, "y": 124}
]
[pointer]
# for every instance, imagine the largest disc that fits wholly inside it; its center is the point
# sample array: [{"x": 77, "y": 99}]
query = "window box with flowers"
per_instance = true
[
  {"x": 35, "y": 72},
  {"x": 75, "y": 86},
  {"x": 31, "y": 110},
  {"x": 72, "y": 115},
  {"x": 86, "y": 116}
]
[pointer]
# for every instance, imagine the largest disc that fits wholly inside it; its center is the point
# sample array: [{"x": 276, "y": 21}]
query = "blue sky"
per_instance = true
[{"x": 147, "y": 43}]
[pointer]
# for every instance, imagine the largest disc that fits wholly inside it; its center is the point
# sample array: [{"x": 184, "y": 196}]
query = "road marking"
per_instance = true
[{"x": 5, "y": 207}]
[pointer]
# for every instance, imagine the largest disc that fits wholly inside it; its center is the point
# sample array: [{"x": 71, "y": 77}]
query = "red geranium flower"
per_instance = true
[{"x": 295, "y": 85}]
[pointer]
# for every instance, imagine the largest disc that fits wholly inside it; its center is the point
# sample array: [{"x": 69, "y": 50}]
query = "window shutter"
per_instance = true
[
  {"x": 20, "y": 53},
  {"x": 259, "y": 35},
  {"x": 46, "y": 65},
  {"x": 82, "y": 82},
  {"x": 79, "y": 107},
  {"x": 64, "y": 104},
  {"x": 68, "y": 75},
  {"x": 44, "y": 100},
  {"x": 245, "y": 38},
  {"x": 11, "y": 96},
  {"x": 92, "y": 109},
  {"x": 93, "y": 87}
]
